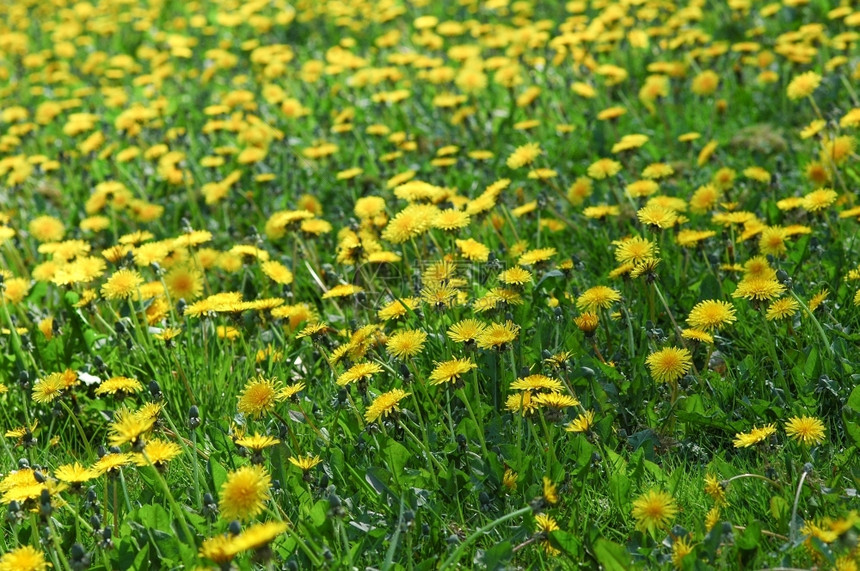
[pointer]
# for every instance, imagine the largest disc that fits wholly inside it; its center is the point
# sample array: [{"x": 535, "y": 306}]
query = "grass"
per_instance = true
[{"x": 239, "y": 242}]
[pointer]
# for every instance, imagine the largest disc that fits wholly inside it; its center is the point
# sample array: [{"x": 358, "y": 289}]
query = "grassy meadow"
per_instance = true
[{"x": 416, "y": 285}]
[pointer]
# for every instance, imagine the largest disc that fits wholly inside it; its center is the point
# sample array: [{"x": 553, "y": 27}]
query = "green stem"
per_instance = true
[
  {"x": 177, "y": 509},
  {"x": 455, "y": 556},
  {"x": 478, "y": 426},
  {"x": 818, "y": 327}
]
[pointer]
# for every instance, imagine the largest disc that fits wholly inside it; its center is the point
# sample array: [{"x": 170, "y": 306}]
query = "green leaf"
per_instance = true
[
  {"x": 779, "y": 508},
  {"x": 567, "y": 543},
  {"x": 218, "y": 474},
  {"x": 154, "y": 516},
  {"x": 750, "y": 538},
  {"x": 611, "y": 556},
  {"x": 397, "y": 456},
  {"x": 811, "y": 362},
  {"x": 141, "y": 560},
  {"x": 619, "y": 488},
  {"x": 496, "y": 557},
  {"x": 851, "y": 415}
]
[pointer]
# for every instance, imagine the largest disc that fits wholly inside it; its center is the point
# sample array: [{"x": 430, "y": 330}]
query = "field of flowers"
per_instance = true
[{"x": 429, "y": 285}]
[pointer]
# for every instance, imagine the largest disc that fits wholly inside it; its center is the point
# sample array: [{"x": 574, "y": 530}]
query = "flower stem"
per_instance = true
[{"x": 455, "y": 556}]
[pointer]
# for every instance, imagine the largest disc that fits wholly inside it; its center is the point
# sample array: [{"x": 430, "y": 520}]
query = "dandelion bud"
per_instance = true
[
  {"x": 155, "y": 391},
  {"x": 79, "y": 559},
  {"x": 235, "y": 528},
  {"x": 14, "y": 515},
  {"x": 193, "y": 417}
]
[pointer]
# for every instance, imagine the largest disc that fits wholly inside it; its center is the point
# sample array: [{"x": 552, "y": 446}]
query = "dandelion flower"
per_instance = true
[
  {"x": 711, "y": 315},
  {"x": 715, "y": 488},
  {"x": 74, "y": 474},
  {"x": 533, "y": 257},
  {"x": 46, "y": 229},
  {"x": 218, "y": 549},
  {"x": 466, "y": 331},
  {"x": 358, "y": 372},
  {"x": 581, "y": 423},
  {"x": 653, "y": 511},
  {"x": 158, "y": 452},
  {"x": 819, "y": 199},
  {"x": 603, "y": 168},
  {"x": 111, "y": 463},
  {"x": 521, "y": 403},
  {"x": 807, "y": 430},
  {"x": 119, "y": 386},
  {"x": 550, "y": 493},
  {"x": 669, "y": 364},
  {"x": 129, "y": 427},
  {"x": 781, "y": 309},
  {"x": 48, "y": 389},
  {"x": 258, "y": 536},
  {"x": 244, "y": 493},
  {"x": 305, "y": 463},
  {"x": 657, "y": 215},
  {"x": 546, "y": 525},
  {"x": 25, "y": 558},
  {"x": 184, "y": 282},
  {"x": 537, "y": 383},
  {"x": 451, "y": 371},
  {"x": 712, "y": 518},
  {"x": 772, "y": 241},
  {"x": 498, "y": 335},
  {"x": 681, "y": 547},
  {"x": 122, "y": 284},
  {"x": 758, "y": 289},
  {"x": 406, "y": 343},
  {"x": 259, "y": 397},
  {"x": 473, "y": 250},
  {"x": 385, "y": 404},
  {"x": 509, "y": 479},
  {"x": 524, "y": 155},
  {"x": 257, "y": 441},
  {"x": 803, "y": 85},
  {"x": 635, "y": 249},
  {"x": 598, "y": 297},
  {"x": 555, "y": 401},
  {"x": 754, "y": 436}
]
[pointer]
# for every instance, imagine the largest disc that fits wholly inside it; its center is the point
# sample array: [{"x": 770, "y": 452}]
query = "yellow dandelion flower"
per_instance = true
[
  {"x": 259, "y": 397},
  {"x": 807, "y": 430},
  {"x": 654, "y": 511},
  {"x": 669, "y": 364},
  {"x": 754, "y": 436},
  {"x": 123, "y": 284},
  {"x": 244, "y": 493},
  {"x": 406, "y": 343},
  {"x": 451, "y": 371},
  {"x": 711, "y": 315},
  {"x": 803, "y": 85},
  {"x": 597, "y": 297},
  {"x": 24, "y": 558},
  {"x": 385, "y": 404}
]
